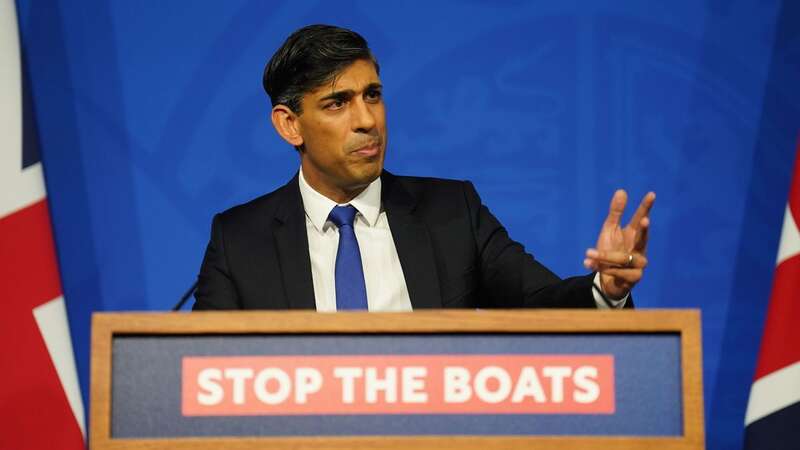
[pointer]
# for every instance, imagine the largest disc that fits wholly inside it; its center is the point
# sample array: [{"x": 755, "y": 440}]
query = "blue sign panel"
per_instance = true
[{"x": 147, "y": 385}]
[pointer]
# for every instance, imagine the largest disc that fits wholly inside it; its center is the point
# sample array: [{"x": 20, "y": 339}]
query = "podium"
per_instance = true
[{"x": 456, "y": 379}]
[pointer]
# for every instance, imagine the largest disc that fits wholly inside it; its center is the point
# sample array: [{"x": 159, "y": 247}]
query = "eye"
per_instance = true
[
  {"x": 373, "y": 96},
  {"x": 334, "y": 105}
]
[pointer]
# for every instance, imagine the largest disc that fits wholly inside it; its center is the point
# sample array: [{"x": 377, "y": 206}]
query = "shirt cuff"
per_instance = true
[{"x": 598, "y": 299}]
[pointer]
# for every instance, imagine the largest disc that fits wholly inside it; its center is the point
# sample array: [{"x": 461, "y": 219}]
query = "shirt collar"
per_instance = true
[{"x": 318, "y": 207}]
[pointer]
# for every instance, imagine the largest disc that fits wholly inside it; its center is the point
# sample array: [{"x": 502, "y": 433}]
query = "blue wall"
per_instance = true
[{"x": 152, "y": 118}]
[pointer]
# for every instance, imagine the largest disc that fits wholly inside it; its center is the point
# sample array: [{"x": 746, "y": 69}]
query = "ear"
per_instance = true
[{"x": 286, "y": 124}]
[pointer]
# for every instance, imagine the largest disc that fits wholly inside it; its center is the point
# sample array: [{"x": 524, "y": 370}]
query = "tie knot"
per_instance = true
[{"x": 343, "y": 215}]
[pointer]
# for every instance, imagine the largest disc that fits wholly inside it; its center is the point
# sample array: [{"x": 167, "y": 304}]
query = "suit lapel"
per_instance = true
[
  {"x": 413, "y": 243},
  {"x": 291, "y": 241}
]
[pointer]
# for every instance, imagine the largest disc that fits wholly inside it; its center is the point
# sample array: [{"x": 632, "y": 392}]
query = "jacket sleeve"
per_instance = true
[
  {"x": 215, "y": 289},
  {"x": 511, "y": 277}
]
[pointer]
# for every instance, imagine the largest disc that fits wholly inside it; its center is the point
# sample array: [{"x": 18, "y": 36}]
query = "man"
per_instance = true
[{"x": 346, "y": 234}]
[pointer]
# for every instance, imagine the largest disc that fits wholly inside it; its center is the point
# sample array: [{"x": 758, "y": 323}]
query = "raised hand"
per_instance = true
[{"x": 620, "y": 253}]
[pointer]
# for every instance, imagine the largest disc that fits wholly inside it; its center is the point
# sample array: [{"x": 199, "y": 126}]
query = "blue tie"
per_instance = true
[{"x": 351, "y": 292}]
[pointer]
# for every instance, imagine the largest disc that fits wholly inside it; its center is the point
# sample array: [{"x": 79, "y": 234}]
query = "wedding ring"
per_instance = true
[{"x": 630, "y": 260}]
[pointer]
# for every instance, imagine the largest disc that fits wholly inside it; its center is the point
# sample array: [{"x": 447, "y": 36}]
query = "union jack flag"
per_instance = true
[
  {"x": 773, "y": 413},
  {"x": 40, "y": 401}
]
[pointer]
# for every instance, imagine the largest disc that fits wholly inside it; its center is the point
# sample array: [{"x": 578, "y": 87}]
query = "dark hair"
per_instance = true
[{"x": 310, "y": 57}]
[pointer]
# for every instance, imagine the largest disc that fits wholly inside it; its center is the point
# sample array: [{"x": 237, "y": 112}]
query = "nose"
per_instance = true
[{"x": 363, "y": 118}]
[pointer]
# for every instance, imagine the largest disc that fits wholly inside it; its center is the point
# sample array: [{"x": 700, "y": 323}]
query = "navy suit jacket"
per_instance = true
[{"x": 453, "y": 251}]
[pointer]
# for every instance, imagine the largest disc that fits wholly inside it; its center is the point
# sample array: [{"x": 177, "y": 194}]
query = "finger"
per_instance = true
[
  {"x": 617, "y": 207},
  {"x": 597, "y": 266},
  {"x": 615, "y": 258},
  {"x": 642, "y": 236},
  {"x": 643, "y": 210},
  {"x": 627, "y": 276}
]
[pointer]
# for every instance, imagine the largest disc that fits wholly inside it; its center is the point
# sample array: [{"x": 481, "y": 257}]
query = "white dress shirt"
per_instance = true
[{"x": 383, "y": 274}]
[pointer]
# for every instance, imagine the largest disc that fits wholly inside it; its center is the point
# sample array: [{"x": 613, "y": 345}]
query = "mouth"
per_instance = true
[{"x": 368, "y": 150}]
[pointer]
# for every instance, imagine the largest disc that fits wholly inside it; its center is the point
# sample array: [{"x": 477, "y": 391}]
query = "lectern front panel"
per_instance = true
[
  {"x": 479, "y": 380},
  {"x": 486, "y": 384}
]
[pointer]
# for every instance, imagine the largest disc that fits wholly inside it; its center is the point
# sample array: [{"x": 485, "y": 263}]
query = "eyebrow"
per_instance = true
[{"x": 349, "y": 93}]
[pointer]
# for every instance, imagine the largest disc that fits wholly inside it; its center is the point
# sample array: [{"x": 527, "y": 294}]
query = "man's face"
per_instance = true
[{"x": 343, "y": 129}]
